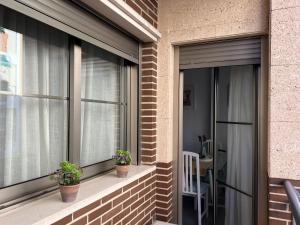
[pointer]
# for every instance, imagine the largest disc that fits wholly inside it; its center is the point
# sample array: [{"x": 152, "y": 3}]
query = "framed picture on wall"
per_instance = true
[{"x": 188, "y": 97}]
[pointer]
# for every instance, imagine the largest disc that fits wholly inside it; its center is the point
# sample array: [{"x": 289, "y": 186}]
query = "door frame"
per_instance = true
[{"x": 261, "y": 187}]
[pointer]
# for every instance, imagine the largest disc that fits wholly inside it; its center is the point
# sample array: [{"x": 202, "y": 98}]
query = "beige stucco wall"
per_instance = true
[
  {"x": 285, "y": 89},
  {"x": 184, "y": 21}
]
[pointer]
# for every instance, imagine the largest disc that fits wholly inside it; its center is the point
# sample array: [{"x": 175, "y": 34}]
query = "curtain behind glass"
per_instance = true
[
  {"x": 33, "y": 130},
  {"x": 101, "y": 105},
  {"x": 238, "y": 207}
]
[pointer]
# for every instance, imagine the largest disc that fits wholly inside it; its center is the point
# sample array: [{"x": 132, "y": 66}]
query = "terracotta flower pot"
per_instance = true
[
  {"x": 122, "y": 170},
  {"x": 69, "y": 193}
]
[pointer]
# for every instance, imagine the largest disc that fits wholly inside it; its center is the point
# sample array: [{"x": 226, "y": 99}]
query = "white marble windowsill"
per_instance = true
[
  {"x": 162, "y": 223},
  {"x": 50, "y": 208}
]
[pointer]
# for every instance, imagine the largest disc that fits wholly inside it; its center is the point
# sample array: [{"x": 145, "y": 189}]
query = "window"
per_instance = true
[
  {"x": 33, "y": 98},
  {"x": 36, "y": 105}
]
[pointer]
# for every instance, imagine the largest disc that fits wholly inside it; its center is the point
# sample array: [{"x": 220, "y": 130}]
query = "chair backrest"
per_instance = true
[
  {"x": 207, "y": 145},
  {"x": 191, "y": 164}
]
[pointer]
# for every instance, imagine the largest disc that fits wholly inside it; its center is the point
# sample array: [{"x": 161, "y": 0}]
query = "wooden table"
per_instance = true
[{"x": 205, "y": 164}]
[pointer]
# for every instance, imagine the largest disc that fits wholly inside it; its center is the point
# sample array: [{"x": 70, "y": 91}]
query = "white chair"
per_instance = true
[
  {"x": 208, "y": 152},
  {"x": 196, "y": 189}
]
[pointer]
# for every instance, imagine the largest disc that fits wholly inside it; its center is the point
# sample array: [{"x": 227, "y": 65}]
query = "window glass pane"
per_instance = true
[
  {"x": 33, "y": 57},
  {"x": 100, "y": 74},
  {"x": 103, "y": 105},
  {"x": 34, "y": 64},
  {"x": 33, "y": 137},
  {"x": 234, "y": 143},
  {"x": 100, "y": 132}
]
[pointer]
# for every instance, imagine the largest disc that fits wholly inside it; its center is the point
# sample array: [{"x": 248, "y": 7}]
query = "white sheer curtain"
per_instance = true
[
  {"x": 100, "y": 121},
  {"x": 33, "y": 130},
  {"x": 238, "y": 207}
]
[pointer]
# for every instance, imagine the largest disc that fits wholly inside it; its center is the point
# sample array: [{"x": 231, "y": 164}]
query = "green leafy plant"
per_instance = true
[
  {"x": 122, "y": 157},
  {"x": 68, "y": 174}
]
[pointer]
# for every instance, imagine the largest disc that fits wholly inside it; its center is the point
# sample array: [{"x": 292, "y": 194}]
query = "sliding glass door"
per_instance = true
[{"x": 235, "y": 144}]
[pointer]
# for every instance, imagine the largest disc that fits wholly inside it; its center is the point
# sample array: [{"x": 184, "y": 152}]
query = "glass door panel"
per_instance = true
[
  {"x": 233, "y": 207},
  {"x": 235, "y": 156},
  {"x": 234, "y": 145},
  {"x": 235, "y": 94}
]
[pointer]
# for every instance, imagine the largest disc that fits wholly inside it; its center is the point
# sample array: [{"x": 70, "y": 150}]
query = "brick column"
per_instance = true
[
  {"x": 148, "y": 9},
  {"x": 148, "y": 103},
  {"x": 164, "y": 192}
]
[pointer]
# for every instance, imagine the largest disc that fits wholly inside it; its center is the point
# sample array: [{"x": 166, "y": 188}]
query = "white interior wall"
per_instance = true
[{"x": 197, "y": 119}]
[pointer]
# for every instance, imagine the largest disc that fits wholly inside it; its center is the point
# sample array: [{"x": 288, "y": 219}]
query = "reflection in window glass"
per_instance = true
[
  {"x": 34, "y": 64},
  {"x": 33, "y": 98}
]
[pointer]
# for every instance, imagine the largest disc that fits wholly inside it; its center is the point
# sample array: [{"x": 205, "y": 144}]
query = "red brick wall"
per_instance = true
[
  {"x": 146, "y": 8},
  {"x": 148, "y": 103},
  {"x": 279, "y": 208},
  {"x": 164, "y": 192},
  {"x": 133, "y": 204}
]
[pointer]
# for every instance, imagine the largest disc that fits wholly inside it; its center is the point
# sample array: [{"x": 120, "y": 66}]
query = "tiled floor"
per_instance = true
[{"x": 190, "y": 216}]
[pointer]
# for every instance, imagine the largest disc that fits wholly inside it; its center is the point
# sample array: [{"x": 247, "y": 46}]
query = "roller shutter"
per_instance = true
[
  {"x": 233, "y": 52},
  {"x": 72, "y": 19}
]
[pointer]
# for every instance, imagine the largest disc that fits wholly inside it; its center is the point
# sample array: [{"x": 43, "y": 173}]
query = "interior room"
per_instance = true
[
  {"x": 197, "y": 138},
  {"x": 218, "y": 145}
]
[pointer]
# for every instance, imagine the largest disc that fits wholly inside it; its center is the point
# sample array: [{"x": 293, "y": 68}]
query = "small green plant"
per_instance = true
[
  {"x": 122, "y": 157},
  {"x": 68, "y": 174}
]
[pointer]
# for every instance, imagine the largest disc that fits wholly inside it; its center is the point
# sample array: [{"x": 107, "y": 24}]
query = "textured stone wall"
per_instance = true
[
  {"x": 191, "y": 21},
  {"x": 284, "y": 132},
  {"x": 285, "y": 89}
]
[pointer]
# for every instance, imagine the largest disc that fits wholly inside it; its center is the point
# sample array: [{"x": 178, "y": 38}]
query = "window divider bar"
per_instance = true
[
  {"x": 132, "y": 112},
  {"x": 34, "y": 96},
  {"x": 234, "y": 188},
  {"x": 102, "y": 101},
  {"x": 236, "y": 123},
  {"x": 75, "y": 102},
  {"x": 122, "y": 113}
]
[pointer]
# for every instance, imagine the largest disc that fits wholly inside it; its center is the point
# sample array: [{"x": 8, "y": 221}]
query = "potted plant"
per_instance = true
[
  {"x": 123, "y": 160},
  {"x": 68, "y": 178}
]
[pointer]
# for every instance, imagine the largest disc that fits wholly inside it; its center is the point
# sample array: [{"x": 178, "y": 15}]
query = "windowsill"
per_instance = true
[{"x": 50, "y": 209}]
